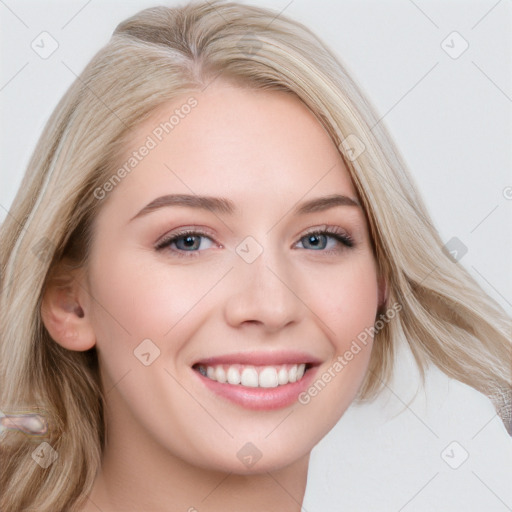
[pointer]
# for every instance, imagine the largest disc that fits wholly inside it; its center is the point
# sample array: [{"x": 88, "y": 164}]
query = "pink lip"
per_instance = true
[
  {"x": 260, "y": 399},
  {"x": 262, "y": 359}
]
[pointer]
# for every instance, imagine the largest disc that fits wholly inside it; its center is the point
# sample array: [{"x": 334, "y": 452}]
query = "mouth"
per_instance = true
[
  {"x": 258, "y": 381},
  {"x": 254, "y": 376}
]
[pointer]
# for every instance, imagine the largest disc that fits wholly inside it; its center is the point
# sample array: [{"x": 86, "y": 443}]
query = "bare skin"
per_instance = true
[{"x": 173, "y": 443}]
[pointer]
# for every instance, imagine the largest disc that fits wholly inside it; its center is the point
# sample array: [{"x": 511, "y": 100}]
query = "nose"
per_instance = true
[{"x": 264, "y": 293}]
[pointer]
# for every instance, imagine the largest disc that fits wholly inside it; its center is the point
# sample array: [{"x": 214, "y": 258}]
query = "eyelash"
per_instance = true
[{"x": 331, "y": 231}]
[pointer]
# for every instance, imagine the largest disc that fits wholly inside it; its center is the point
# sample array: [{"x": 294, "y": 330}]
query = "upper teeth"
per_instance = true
[{"x": 254, "y": 376}]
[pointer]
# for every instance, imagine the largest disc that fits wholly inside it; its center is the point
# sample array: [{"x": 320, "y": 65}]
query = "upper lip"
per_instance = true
[{"x": 259, "y": 358}]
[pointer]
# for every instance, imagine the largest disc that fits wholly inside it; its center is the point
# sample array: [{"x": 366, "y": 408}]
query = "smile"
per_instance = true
[
  {"x": 253, "y": 376},
  {"x": 261, "y": 381}
]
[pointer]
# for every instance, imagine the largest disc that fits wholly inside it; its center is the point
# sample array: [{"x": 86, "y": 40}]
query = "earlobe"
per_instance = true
[{"x": 64, "y": 317}]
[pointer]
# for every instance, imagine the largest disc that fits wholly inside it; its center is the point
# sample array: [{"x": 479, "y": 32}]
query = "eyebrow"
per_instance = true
[{"x": 226, "y": 206}]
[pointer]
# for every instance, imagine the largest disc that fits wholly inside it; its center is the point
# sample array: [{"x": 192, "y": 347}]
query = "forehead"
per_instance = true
[{"x": 251, "y": 145}]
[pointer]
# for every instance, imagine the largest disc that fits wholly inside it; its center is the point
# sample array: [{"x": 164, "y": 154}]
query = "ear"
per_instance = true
[{"x": 63, "y": 309}]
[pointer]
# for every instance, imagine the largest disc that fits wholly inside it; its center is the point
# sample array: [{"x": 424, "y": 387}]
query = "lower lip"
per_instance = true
[{"x": 260, "y": 399}]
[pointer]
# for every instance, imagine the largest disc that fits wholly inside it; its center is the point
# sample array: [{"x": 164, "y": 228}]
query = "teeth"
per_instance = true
[
  {"x": 251, "y": 376},
  {"x": 268, "y": 378},
  {"x": 220, "y": 374},
  {"x": 233, "y": 375},
  {"x": 282, "y": 376}
]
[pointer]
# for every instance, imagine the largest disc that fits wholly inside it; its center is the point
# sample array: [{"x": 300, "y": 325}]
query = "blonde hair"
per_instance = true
[{"x": 153, "y": 57}]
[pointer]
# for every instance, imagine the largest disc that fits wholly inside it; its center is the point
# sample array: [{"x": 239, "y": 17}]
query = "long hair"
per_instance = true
[{"x": 153, "y": 57}]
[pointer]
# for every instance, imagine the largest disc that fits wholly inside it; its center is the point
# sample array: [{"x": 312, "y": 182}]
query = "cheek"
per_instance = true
[
  {"x": 346, "y": 299},
  {"x": 347, "y": 302},
  {"x": 135, "y": 299}
]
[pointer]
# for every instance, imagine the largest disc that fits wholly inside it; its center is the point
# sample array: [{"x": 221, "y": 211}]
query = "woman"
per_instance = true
[{"x": 191, "y": 333}]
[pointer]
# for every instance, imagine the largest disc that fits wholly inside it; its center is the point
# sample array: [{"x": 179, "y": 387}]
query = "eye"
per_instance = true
[
  {"x": 189, "y": 243},
  {"x": 185, "y": 242},
  {"x": 326, "y": 238}
]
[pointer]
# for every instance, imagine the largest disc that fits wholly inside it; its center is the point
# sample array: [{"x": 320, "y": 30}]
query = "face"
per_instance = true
[{"x": 234, "y": 250}]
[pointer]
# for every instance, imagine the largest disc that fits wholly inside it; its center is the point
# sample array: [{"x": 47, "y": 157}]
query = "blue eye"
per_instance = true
[
  {"x": 319, "y": 240},
  {"x": 190, "y": 243},
  {"x": 316, "y": 241},
  {"x": 187, "y": 241}
]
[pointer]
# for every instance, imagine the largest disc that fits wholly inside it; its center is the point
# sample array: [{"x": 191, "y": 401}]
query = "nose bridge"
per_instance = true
[{"x": 263, "y": 288}]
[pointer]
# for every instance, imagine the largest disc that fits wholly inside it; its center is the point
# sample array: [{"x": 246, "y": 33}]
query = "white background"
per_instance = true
[{"x": 451, "y": 119}]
